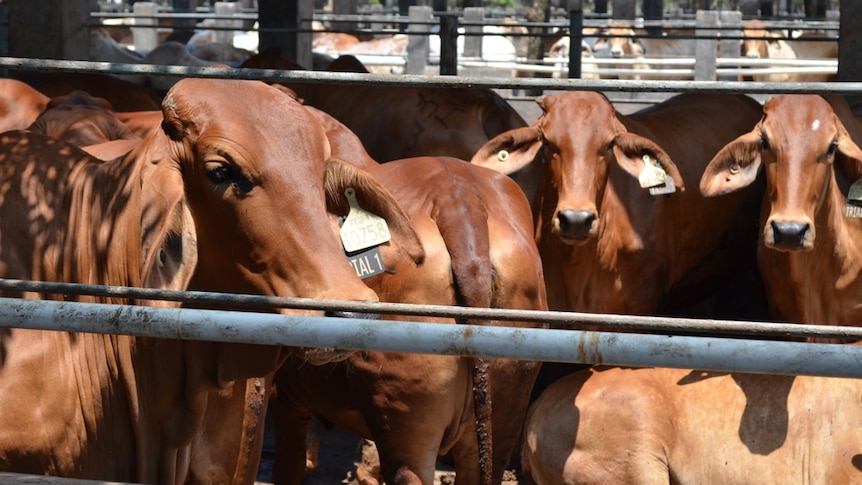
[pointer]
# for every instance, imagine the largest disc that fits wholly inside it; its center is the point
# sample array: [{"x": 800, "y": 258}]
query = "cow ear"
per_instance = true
[
  {"x": 630, "y": 149},
  {"x": 510, "y": 151},
  {"x": 374, "y": 198},
  {"x": 168, "y": 234},
  {"x": 849, "y": 156},
  {"x": 735, "y": 166}
]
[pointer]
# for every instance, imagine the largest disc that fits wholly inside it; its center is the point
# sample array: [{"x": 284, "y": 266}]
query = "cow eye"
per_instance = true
[
  {"x": 219, "y": 173},
  {"x": 764, "y": 143}
]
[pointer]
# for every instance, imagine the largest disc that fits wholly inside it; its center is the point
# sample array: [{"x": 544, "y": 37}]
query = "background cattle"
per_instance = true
[
  {"x": 183, "y": 209},
  {"x": 661, "y": 426},
  {"x": 475, "y": 226},
  {"x": 760, "y": 43},
  {"x": 396, "y": 122},
  {"x": 807, "y": 147}
]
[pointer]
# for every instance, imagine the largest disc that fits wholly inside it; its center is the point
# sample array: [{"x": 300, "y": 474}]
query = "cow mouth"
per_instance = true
[{"x": 325, "y": 355}]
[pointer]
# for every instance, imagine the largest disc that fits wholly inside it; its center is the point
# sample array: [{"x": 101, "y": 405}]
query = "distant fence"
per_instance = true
[{"x": 716, "y": 35}]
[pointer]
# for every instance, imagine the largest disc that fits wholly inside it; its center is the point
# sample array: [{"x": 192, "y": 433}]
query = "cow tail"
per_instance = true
[{"x": 467, "y": 239}]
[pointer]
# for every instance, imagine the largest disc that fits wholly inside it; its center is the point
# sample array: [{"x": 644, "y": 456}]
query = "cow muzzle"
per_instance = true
[
  {"x": 576, "y": 226},
  {"x": 329, "y": 355},
  {"x": 789, "y": 235}
]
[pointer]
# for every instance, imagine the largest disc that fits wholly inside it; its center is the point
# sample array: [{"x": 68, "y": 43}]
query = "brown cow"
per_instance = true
[
  {"x": 141, "y": 122},
  {"x": 82, "y": 120},
  {"x": 123, "y": 95},
  {"x": 607, "y": 244},
  {"x": 20, "y": 104},
  {"x": 396, "y": 122},
  {"x": 675, "y": 426},
  {"x": 807, "y": 146},
  {"x": 475, "y": 226},
  {"x": 230, "y": 203}
]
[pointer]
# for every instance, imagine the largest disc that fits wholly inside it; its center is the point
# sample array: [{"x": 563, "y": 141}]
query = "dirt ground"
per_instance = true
[{"x": 339, "y": 454}]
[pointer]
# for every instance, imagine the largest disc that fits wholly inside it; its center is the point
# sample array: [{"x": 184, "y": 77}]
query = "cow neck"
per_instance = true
[{"x": 98, "y": 222}]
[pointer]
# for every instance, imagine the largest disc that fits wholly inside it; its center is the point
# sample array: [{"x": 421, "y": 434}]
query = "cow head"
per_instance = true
[
  {"x": 253, "y": 169},
  {"x": 619, "y": 41},
  {"x": 581, "y": 137},
  {"x": 803, "y": 147}
]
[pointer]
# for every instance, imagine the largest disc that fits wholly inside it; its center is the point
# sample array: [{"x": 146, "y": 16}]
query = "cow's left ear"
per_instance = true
[
  {"x": 374, "y": 198},
  {"x": 629, "y": 150},
  {"x": 168, "y": 237}
]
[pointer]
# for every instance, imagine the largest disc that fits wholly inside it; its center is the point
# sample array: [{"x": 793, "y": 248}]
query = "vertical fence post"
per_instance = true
[
  {"x": 226, "y": 9},
  {"x": 145, "y": 38},
  {"x": 705, "y": 49},
  {"x": 731, "y": 28},
  {"x": 417, "y": 43},
  {"x": 449, "y": 44},
  {"x": 473, "y": 37},
  {"x": 576, "y": 36}
]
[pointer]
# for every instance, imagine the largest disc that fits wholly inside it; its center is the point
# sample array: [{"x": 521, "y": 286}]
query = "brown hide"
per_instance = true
[
  {"x": 676, "y": 426},
  {"x": 232, "y": 203},
  {"x": 123, "y": 95},
  {"x": 20, "y": 104},
  {"x": 475, "y": 227},
  {"x": 608, "y": 245},
  {"x": 810, "y": 257},
  {"x": 82, "y": 120},
  {"x": 396, "y": 122},
  {"x": 141, "y": 122}
]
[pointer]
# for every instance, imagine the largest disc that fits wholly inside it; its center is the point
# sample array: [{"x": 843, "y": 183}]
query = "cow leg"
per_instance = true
[
  {"x": 292, "y": 424},
  {"x": 402, "y": 464}
]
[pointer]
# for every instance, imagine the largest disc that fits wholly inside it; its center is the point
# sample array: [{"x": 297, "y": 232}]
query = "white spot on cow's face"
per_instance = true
[{"x": 815, "y": 125}]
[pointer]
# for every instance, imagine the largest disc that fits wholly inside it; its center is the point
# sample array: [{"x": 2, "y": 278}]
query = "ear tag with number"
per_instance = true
[
  {"x": 853, "y": 207},
  {"x": 668, "y": 187},
  {"x": 651, "y": 175},
  {"x": 362, "y": 229}
]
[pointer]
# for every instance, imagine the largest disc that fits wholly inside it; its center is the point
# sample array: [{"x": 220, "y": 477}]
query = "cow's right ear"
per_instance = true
[
  {"x": 373, "y": 197},
  {"x": 735, "y": 166},
  {"x": 510, "y": 151}
]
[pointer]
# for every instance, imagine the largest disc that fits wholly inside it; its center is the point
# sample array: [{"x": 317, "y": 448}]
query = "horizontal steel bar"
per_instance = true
[
  {"x": 631, "y": 349},
  {"x": 560, "y": 319},
  {"x": 276, "y": 75}
]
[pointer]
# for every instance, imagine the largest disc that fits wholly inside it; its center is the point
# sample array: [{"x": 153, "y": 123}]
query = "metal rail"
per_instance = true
[
  {"x": 640, "y": 350},
  {"x": 553, "y": 318},
  {"x": 276, "y": 75}
]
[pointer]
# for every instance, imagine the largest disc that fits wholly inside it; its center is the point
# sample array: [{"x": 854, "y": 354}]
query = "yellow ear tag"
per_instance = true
[
  {"x": 362, "y": 229},
  {"x": 652, "y": 175}
]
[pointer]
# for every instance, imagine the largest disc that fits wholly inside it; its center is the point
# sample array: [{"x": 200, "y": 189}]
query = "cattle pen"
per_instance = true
[{"x": 709, "y": 345}]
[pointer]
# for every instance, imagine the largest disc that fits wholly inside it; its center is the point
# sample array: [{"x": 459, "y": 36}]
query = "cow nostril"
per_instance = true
[
  {"x": 576, "y": 224},
  {"x": 790, "y": 234}
]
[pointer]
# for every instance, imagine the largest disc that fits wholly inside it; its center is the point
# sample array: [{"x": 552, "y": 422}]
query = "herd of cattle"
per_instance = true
[{"x": 703, "y": 205}]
